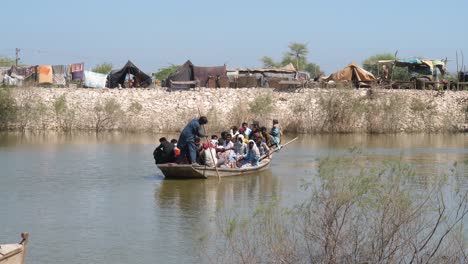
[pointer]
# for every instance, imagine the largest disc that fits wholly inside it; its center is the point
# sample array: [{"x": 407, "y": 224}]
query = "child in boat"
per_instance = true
[{"x": 176, "y": 149}]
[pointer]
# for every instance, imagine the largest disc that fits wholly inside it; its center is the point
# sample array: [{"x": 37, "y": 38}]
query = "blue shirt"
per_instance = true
[{"x": 188, "y": 134}]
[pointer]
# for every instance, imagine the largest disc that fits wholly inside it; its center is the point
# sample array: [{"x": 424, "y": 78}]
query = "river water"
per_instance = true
[{"x": 100, "y": 199}]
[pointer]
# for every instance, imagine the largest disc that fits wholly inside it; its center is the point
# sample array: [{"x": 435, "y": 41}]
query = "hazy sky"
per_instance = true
[{"x": 154, "y": 34}]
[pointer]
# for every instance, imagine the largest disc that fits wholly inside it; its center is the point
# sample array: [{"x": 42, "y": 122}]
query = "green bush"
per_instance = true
[
  {"x": 261, "y": 105},
  {"x": 65, "y": 116},
  {"x": 107, "y": 114},
  {"x": 8, "y": 108}
]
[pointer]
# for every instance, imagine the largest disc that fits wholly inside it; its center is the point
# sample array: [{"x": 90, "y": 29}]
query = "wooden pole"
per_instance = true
[
  {"x": 458, "y": 73},
  {"x": 207, "y": 142},
  {"x": 275, "y": 150}
]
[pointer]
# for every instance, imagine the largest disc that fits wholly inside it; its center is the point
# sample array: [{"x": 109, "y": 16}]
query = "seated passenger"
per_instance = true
[
  {"x": 176, "y": 149},
  {"x": 240, "y": 147},
  {"x": 199, "y": 149},
  {"x": 234, "y": 131},
  {"x": 252, "y": 157},
  {"x": 266, "y": 137},
  {"x": 246, "y": 128},
  {"x": 209, "y": 155},
  {"x": 262, "y": 147},
  {"x": 164, "y": 153},
  {"x": 214, "y": 140}
]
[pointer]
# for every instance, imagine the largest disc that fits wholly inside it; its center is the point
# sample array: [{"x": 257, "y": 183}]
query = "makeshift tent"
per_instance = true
[
  {"x": 94, "y": 79},
  {"x": 117, "y": 77},
  {"x": 211, "y": 77},
  {"x": 183, "y": 74},
  {"x": 352, "y": 73},
  {"x": 415, "y": 65}
]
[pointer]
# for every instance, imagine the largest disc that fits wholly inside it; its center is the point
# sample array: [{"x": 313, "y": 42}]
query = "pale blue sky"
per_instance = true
[{"x": 154, "y": 34}]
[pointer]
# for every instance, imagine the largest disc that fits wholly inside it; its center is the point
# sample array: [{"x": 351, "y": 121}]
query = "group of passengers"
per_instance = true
[{"x": 240, "y": 147}]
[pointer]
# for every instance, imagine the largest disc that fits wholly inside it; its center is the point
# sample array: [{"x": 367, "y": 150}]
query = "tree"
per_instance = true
[
  {"x": 298, "y": 51},
  {"x": 399, "y": 73},
  {"x": 297, "y": 55},
  {"x": 163, "y": 73},
  {"x": 103, "y": 68},
  {"x": 6, "y": 62},
  {"x": 269, "y": 62}
]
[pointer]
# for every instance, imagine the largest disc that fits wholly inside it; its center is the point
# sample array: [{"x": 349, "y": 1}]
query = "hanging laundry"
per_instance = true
[
  {"x": 76, "y": 70},
  {"x": 59, "y": 74},
  {"x": 44, "y": 73},
  {"x": 94, "y": 80}
]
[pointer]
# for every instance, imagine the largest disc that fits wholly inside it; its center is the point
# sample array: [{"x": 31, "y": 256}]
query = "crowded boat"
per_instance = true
[{"x": 237, "y": 147}]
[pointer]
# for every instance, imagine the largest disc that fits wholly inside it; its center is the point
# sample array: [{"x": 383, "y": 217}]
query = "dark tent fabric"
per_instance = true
[
  {"x": 117, "y": 77},
  {"x": 203, "y": 74},
  {"x": 183, "y": 74}
]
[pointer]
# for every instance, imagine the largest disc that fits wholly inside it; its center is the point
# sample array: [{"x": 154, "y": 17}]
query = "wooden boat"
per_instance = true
[
  {"x": 14, "y": 253},
  {"x": 186, "y": 171}
]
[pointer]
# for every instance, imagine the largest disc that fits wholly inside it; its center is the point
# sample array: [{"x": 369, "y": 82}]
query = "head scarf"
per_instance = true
[{"x": 255, "y": 149}]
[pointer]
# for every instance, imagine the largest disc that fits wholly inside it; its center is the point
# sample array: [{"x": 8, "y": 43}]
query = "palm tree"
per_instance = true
[{"x": 297, "y": 51}]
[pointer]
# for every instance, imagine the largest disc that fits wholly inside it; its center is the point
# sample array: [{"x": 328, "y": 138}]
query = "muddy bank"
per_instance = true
[{"x": 310, "y": 111}]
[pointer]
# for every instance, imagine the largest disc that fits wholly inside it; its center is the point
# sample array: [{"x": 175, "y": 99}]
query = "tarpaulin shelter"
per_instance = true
[
  {"x": 117, "y": 77},
  {"x": 188, "y": 75},
  {"x": 183, "y": 74},
  {"x": 415, "y": 65},
  {"x": 352, "y": 73},
  {"x": 211, "y": 77}
]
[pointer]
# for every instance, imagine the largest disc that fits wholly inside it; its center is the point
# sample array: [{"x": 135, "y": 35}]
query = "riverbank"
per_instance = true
[{"x": 310, "y": 111}]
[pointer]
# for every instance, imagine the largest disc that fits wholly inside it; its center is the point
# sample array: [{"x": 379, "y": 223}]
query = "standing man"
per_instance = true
[
  {"x": 186, "y": 142},
  {"x": 276, "y": 134}
]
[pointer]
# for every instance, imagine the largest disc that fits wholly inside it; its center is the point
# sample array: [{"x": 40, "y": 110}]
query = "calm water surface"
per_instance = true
[{"x": 88, "y": 199}]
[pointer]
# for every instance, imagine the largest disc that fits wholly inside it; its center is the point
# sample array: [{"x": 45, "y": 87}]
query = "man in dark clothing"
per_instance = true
[
  {"x": 164, "y": 153},
  {"x": 186, "y": 142}
]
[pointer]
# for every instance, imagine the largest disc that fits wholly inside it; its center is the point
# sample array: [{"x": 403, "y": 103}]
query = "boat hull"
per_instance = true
[
  {"x": 14, "y": 253},
  {"x": 176, "y": 171}
]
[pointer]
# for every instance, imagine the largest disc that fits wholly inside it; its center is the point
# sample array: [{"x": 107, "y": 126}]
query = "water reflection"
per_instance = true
[{"x": 105, "y": 187}]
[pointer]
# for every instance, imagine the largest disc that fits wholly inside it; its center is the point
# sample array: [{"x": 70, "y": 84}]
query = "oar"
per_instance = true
[
  {"x": 276, "y": 149},
  {"x": 209, "y": 148}
]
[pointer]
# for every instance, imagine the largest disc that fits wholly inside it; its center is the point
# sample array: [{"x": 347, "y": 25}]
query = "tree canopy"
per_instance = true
[
  {"x": 6, "y": 61},
  {"x": 164, "y": 72},
  {"x": 103, "y": 68},
  {"x": 297, "y": 55}
]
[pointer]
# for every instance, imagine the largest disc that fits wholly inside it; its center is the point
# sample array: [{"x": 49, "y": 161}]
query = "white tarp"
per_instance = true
[{"x": 94, "y": 79}]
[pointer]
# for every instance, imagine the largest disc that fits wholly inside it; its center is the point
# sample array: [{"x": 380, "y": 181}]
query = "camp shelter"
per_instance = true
[
  {"x": 117, "y": 77},
  {"x": 183, "y": 74},
  {"x": 265, "y": 77},
  {"x": 415, "y": 65},
  {"x": 211, "y": 77},
  {"x": 285, "y": 69},
  {"x": 352, "y": 73}
]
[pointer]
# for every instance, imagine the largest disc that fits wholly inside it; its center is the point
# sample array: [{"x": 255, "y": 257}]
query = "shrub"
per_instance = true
[
  {"x": 355, "y": 213},
  {"x": 64, "y": 115},
  {"x": 341, "y": 111},
  {"x": 261, "y": 105},
  {"x": 106, "y": 114},
  {"x": 8, "y": 108}
]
